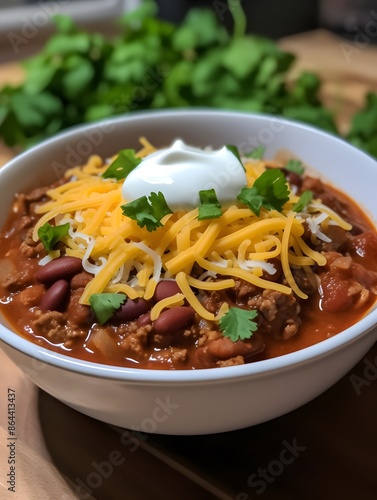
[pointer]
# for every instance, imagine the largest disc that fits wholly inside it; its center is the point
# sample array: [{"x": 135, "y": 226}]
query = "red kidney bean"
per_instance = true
[
  {"x": 55, "y": 297},
  {"x": 223, "y": 348},
  {"x": 166, "y": 288},
  {"x": 144, "y": 320},
  {"x": 174, "y": 319},
  {"x": 80, "y": 280},
  {"x": 79, "y": 314},
  {"x": 277, "y": 275},
  {"x": 64, "y": 267},
  {"x": 294, "y": 179},
  {"x": 131, "y": 310}
]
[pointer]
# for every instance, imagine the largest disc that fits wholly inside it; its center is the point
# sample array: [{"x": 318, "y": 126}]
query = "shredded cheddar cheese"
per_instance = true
[{"x": 123, "y": 257}]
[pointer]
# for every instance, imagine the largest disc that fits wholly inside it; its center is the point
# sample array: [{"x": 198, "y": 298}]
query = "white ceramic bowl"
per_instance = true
[{"x": 198, "y": 401}]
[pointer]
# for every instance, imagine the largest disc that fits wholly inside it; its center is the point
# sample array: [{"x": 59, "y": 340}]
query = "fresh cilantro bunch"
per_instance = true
[{"x": 81, "y": 76}]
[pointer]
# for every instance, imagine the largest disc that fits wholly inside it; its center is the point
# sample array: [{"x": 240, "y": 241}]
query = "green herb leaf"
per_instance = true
[
  {"x": 78, "y": 77},
  {"x": 35, "y": 111},
  {"x": 122, "y": 165},
  {"x": 159, "y": 205},
  {"x": 200, "y": 28},
  {"x": 50, "y": 235},
  {"x": 234, "y": 150},
  {"x": 238, "y": 324},
  {"x": 257, "y": 153},
  {"x": 251, "y": 198},
  {"x": 93, "y": 77},
  {"x": 295, "y": 166},
  {"x": 105, "y": 304},
  {"x": 303, "y": 201},
  {"x": 136, "y": 17},
  {"x": 147, "y": 213},
  {"x": 363, "y": 131},
  {"x": 270, "y": 191},
  {"x": 209, "y": 207}
]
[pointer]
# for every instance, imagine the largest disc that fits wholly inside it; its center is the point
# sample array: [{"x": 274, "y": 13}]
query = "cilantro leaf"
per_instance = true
[
  {"x": 270, "y": 191},
  {"x": 141, "y": 211},
  {"x": 159, "y": 205},
  {"x": 251, "y": 198},
  {"x": 50, "y": 235},
  {"x": 295, "y": 166},
  {"x": 209, "y": 207},
  {"x": 257, "y": 153},
  {"x": 147, "y": 213},
  {"x": 234, "y": 150},
  {"x": 104, "y": 304},
  {"x": 122, "y": 165},
  {"x": 303, "y": 202},
  {"x": 238, "y": 324}
]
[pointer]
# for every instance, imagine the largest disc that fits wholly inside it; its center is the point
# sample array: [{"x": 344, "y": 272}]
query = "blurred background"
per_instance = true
[{"x": 272, "y": 18}]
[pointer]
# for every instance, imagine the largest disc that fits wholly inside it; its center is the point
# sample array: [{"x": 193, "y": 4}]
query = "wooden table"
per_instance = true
[{"x": 59, "y": 451}]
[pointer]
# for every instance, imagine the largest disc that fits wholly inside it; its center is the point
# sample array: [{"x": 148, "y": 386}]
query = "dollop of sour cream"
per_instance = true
[{"x": 181, "y": 171}]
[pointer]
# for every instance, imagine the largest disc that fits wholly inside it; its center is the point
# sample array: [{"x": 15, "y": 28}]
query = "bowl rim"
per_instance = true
[{"x": 324, "y": 348}]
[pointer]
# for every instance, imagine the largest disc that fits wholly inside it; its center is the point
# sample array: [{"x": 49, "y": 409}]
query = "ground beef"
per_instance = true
[
  {"x": 306, "y": 282},
  {"x": 19, "y": 279},
  {"x": 179, "y": 355},
  {"x": 237, "y": 360},
  {"x": 134, "y": 343},
  {"x": 31, "y": 248},
  {"x": 51, "y": 324},
  {"x": 279, "y": 313}
]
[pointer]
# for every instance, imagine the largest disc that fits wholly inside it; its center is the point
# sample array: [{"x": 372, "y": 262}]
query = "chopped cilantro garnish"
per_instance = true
[
  {"x": 238, "y": 324},
  {"x": 257, "y": 153},
  {"x": 303, "y": 202},
  {"x": 104, "y": 304},
  {"x": 159, "y": 205},
  {"x": 251, "y": 198},
  {"x": 125, "y": 162},
  {"x": 234, "y": 150},
  {"x": 270, "y": 191},
  {"x": 147, "y": 213},
  {"x": 209, "y": 207},
  {"x": 50, "y": 235},
  {"x": 295, "y": 166}
]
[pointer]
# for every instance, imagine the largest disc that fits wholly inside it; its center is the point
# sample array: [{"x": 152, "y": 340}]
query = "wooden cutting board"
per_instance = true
[{"x": 348, "y": 72}]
